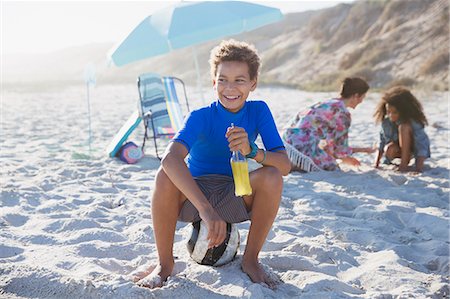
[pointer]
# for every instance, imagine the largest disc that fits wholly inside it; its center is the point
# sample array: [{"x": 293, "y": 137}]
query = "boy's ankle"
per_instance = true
[
  {"x": 166, "y": 264},
  {"x": 249, "y": 259}
]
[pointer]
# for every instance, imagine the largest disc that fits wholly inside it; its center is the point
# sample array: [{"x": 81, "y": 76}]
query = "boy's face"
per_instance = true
[
  {"x": 392, "y": 113},
  {"x": 233, "y": 84}
]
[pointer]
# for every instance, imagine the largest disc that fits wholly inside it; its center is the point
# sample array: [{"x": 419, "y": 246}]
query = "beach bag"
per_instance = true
[{"x": 130, "y": 153}]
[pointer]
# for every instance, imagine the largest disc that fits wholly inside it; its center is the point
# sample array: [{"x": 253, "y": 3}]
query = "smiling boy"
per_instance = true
[{"x": 203, "y": 187}]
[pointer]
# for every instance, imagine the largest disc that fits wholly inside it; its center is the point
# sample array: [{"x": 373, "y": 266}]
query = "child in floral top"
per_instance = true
[{"x": 321, "y": 131}]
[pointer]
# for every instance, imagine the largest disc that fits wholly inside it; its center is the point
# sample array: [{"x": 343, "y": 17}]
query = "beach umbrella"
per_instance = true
[{"x": 187, "y": 24}]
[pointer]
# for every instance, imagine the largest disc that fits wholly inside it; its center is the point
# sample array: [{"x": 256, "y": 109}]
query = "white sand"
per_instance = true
[{"x": 75, "y": 228}]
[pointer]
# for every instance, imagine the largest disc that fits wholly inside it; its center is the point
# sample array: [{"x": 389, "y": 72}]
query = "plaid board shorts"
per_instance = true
[{"x": 219, "y": 190}]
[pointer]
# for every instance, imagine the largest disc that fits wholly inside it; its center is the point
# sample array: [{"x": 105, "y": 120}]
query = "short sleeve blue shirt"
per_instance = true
[{"x": 203, "y": 134}]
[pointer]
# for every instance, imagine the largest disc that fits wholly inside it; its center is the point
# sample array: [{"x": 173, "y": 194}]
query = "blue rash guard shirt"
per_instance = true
[{"x": 203, "y": 134}]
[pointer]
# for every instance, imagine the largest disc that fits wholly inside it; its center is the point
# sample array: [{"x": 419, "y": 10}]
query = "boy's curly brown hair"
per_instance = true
[
  {"x": 232, "y": 50},
  {"x": 407, "y": 105}
]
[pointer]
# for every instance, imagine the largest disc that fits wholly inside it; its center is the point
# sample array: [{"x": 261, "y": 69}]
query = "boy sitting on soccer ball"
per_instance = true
[{"x": 203, "y": 188}]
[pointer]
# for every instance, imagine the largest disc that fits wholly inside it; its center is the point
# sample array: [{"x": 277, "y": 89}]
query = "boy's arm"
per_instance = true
[
  {"x": 176, "y": 169},
  {"x": 238, "y": 139}
]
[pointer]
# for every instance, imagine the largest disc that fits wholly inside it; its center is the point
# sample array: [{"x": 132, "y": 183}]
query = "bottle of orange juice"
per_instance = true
[{"x": 239, "y": 166}]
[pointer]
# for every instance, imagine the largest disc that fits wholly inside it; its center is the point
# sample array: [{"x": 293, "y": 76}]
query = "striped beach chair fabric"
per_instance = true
[{"x": 160, "y": 108}]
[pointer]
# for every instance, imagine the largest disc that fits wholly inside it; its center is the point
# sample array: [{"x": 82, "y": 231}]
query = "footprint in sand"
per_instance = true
[
  {"x": 416, "y": 183},
  {"x": 279, "y": 242},
  {"x": 47, "y": 185},
  {"x": 89, "y": 235},
  {"x": 207, "y": 277},
  {"x": 9, "y": 198},
  {"x": 398, "y": 179},
  {"x": 7, "y": 251},
  {"x": 109, "y": 190},
  {"x": 99, "y": 250},
  {"x": 15, "y": 219},
  {"x": 39, "y": 239},
  {"x": 68, "y": 225}
]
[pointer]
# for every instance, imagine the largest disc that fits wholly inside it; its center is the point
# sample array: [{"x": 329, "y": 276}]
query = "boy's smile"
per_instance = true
[
  {"x": 232, "y": 98},
  {"x": 233, "y": 84}
]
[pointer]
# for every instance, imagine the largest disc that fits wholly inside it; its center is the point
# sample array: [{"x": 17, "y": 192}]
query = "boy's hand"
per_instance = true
[
  {"x": 217, "y": 228},
  {"x": 238, "y": 140}
]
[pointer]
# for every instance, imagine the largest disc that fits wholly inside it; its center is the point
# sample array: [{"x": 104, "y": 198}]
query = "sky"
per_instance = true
[{"x": 46, "y": 26}]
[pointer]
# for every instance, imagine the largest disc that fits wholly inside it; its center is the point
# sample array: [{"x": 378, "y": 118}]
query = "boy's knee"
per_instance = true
[
  {"x": 161, "y": 174},
  {"x": 161, "y": 179},
  {"x": 165, "y": 188},
  {"x": 271, "y": 177}
]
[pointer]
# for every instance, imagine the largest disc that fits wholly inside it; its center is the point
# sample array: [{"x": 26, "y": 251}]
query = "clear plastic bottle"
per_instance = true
[{"x": 239, "y": 166}]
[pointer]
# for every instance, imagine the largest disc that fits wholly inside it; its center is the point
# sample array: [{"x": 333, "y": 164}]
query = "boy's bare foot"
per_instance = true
[
  {"x": 156, "y": 278},
  {"x": 141, "y": 272},
  {"x": 257, "y": 274}
]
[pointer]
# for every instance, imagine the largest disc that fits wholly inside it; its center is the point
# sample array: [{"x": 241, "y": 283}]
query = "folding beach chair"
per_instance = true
[
  {"x": 300, "y": 160},
  {"x": 160, "y": 109}
]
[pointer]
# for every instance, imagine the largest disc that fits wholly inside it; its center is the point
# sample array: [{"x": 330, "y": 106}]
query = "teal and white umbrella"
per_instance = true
[{"x": 189, "y": 23}]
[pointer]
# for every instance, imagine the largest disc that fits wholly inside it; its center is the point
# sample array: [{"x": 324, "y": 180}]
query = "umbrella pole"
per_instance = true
[
  {"x": 199, "y": 80},
  {"x": 89, "y": 117},
  {"x": 89, "y": 78}
]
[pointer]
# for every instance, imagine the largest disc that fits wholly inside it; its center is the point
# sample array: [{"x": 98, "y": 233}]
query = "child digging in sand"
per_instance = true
[
  {"x": 402, "y": 132},
  {"x": 204, "y": 188},
  {"x": 321, "y": 131}
]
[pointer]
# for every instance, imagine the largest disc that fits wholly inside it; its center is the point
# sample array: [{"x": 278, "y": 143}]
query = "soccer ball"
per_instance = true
[{"x": 197, "y": 245}]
